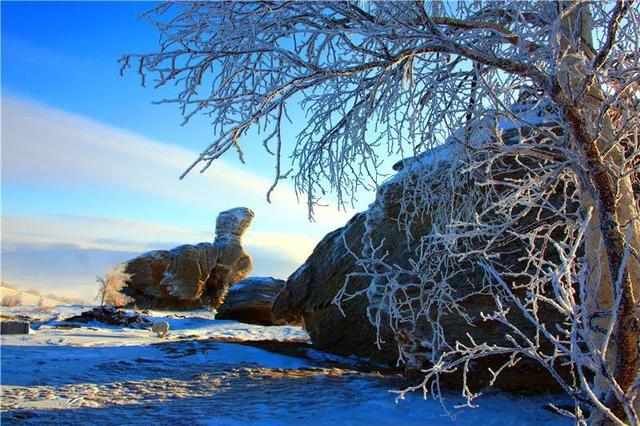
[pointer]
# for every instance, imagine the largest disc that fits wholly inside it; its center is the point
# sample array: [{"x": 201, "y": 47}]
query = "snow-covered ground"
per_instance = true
[{"x": 208, "y": 372}]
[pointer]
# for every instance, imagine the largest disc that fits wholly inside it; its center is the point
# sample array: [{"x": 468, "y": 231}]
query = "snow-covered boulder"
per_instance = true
[
  {"x": 250, "y": 301},
  {"x": 312, "y": 290},
  {"x": 191, "y": 276}
]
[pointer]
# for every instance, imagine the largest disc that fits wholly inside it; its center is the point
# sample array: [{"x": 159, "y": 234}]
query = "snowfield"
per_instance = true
[{"x": 212, "y": 372}]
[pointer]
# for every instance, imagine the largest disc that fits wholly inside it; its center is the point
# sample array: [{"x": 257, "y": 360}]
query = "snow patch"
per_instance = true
[{"x": 93, "y": 375}]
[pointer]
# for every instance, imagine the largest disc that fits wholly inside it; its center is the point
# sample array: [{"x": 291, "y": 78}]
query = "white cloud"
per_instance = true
[
  {"x": 70, "y": 270},
  {"x": 57, "y": 151},
  {"x": 53, "y": 149},
  {"x": 65, "y": 253},
  {"x": 43, "y": 145},
  {"x": 93, "y": 233}
]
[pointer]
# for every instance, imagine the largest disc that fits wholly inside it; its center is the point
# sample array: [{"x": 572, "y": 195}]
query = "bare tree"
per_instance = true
[
  {"x": 110, "y": 286},
  {"x": 380, "y": 79}
]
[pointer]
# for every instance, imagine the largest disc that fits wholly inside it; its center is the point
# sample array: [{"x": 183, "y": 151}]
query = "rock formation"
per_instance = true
[
  {"x": 112, "y": 316},
  {"x": 310, "y": 292},
  {"x": 191, "y": 276},
  {"x": 251, "y": 300}
]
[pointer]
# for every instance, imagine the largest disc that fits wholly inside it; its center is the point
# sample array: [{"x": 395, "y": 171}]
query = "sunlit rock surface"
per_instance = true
[
  {"x": 191, "y": 276},
  {"x": 310, "y": 290}
]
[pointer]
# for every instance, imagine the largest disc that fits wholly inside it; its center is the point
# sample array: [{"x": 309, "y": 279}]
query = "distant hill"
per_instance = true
[{"x": 10, "y": 295}]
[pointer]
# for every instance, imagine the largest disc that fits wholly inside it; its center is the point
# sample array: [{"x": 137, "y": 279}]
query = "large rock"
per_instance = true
[
  {"x": 14, "y": 327},
  {"x": 191, "y": 276},
  {"x": 311, "y": 290},
  {"x": 251, "y": 300}
]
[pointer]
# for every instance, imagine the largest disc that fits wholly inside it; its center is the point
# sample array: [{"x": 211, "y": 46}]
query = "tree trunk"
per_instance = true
[
  {"x": 615, "y": 215},
  {"x": 613, "y": 234}
]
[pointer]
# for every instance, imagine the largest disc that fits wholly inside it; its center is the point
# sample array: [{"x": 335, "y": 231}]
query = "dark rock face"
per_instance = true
[
  {"x": 251, "y": 300},
  {"x": 192, "y": 276},
  {"x": 14, "y": 327},
  {"x": 310, "y": 290},
  {"x": 112, "y": 316}
]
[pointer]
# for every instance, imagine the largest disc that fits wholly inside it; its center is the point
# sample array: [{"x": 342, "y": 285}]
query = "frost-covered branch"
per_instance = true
[
  {"x": 517, "y": 125},
  {"x": 241, "y": 62}
]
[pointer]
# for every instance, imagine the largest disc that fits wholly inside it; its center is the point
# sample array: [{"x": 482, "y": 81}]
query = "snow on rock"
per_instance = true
[
  {"x": 529, "y": 114},
  {"x": 505, "y": 127},
  {"x": 232, "y": 224}
]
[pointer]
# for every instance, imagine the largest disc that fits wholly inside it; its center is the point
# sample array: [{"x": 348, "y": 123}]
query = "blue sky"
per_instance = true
[{"x": 90, "y": 167}]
